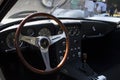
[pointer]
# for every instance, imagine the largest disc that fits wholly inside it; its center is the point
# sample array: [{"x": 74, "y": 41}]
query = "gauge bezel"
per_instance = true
[
  {"x": 30, "y": 33},
  {"x": 10, "y": 38},
  {"x": 44, "y": 32}
]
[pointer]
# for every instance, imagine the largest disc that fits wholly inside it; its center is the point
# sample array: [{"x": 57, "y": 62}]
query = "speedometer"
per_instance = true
[
  {"x": 44, "y": 32},
  {"x": 10, "y": 40},
  {"x": 30, "y": 32}
]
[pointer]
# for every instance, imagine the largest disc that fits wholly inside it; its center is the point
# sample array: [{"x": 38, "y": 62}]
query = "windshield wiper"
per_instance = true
[{"x": 58, "y": 5}]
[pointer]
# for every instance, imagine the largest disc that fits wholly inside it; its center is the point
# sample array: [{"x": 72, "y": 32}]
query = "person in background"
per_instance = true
[
  {"x": 103, "y": 7},
  {"x": 99, "y": 5},
  {"x": 85, "y": 8},
  {"x": 89, "y": 8},
  {"x": 98, "y": 8},
  {"x": 112, "y": 9}
]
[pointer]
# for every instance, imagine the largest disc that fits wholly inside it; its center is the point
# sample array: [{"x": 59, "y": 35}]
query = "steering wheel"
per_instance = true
[{"x": 43, "y": 43}]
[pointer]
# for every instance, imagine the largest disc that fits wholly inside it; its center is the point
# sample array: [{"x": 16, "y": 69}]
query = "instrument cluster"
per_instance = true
[
  {"x": 10, "y": 36},
  {"x": 74, "y": 33},
  {"x": 73, "y": 30}
]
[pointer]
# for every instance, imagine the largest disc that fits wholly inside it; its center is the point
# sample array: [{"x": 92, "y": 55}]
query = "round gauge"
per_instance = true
[
  {"x": 30, "y": 32},
  {"x": 10, "y": 40},
  {"x": 60, "y": 31},
  {"x": 44, "y": 32}
]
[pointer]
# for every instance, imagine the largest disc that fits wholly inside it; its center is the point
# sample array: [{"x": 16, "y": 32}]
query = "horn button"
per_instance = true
[{"x": 44, "y": 43}]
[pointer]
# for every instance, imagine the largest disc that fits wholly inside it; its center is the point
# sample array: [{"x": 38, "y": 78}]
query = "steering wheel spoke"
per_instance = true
[
  {"x": 46, "y": 59},
  {"x": 56, "y": 38},
  {"x": 29, "y": 39}
]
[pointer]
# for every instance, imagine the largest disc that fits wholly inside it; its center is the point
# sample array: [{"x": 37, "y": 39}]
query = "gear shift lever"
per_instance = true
[
  {"x": 84, "y": 59},
  {"x": 89, "y": 71},
  {"x": 85, "y": 67}
]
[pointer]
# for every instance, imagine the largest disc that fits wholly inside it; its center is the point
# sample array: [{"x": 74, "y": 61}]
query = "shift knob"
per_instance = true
[{"x": 84, "y": 57}]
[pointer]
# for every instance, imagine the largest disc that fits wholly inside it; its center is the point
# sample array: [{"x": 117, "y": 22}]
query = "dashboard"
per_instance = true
[{"x": 77, "y": 30}]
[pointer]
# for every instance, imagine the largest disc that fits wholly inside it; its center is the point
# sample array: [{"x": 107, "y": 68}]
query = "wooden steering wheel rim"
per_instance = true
[{"x": 17, "y": 34}]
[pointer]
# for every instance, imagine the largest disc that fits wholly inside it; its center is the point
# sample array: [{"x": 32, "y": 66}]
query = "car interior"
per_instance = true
[{"x": 44, "y": 47}]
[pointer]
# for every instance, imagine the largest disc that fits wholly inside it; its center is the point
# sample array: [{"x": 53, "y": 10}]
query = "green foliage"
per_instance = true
[{"x": 116, "y": 2}]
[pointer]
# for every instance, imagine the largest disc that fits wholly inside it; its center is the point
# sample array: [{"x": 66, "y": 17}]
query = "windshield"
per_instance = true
[
  {"x": 61, "y": 8},
  {"x": 23, "y": 8}
]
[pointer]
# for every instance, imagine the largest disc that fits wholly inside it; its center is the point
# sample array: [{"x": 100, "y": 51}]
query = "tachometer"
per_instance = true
[{"x": 44, "y": 32}]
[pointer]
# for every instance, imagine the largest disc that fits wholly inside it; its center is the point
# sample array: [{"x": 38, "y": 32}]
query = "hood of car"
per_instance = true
[
  {"x": 69, "y": 13},
  {"x": 5, "y": 6},
  {"x": 107, "y": 19}
]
